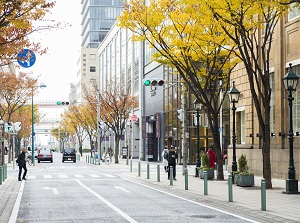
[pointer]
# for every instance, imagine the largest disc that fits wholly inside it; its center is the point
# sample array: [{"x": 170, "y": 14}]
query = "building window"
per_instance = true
[
  {"x": 294, "y": 11},
  {"x": 93, "y": 56},
  {"x": 92, "y": 69},
  {"x": 240, "y": 127},
  {"x": 296, "y": 102}
]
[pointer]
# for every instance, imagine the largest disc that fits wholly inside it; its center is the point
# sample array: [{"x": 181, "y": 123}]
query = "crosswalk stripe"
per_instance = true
[
  {"x": 47, "y": 176},
  {"x": 78, "y": 176},
  {"x": 31, "y": 177},
  {"x": 108, "y": 175},
  {"x": 63, "y": 176},
  {"x": 93, "y": 175}
]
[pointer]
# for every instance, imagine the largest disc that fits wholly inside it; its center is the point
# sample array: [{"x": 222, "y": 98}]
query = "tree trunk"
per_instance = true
[
  {"x": 266, "y": 153},
  {"x": 117, "y": 142}
]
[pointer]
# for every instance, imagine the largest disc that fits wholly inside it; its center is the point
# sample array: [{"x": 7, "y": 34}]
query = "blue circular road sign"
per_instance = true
[{"x": 26, "y": 58}]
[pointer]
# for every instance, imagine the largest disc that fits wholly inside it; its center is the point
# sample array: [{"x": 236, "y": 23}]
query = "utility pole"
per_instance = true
[{"x": 184, "y": 127}]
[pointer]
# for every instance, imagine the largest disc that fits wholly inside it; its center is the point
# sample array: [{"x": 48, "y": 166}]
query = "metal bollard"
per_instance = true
[
  {"x": 86, "y": 159},
  {"x": 263, "y": 195},
  {"x": 148, "y": 171},
  {"x": 205, "y": 182},
  {"x": 226, "y": 164},
  {"x": 186, "y": 183},
  {"x": 5, "y": 172},
  {"x": 171, "y": 175},
  {"x": 1, "y": 175},
  {"x": 158, "y": 173},
  {"x": 139, "y": 169},
  {"x": 230, "y": 197},
  {"x": 131, "y": 166}
]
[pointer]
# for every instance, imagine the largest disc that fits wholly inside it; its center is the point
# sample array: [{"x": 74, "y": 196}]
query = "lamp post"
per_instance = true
[
  {"x": 197, "y": 106},
  {"x": 32, "y": 124},
  {"x": 290, "y": 81},
  {"x": 234, "y": 95}
]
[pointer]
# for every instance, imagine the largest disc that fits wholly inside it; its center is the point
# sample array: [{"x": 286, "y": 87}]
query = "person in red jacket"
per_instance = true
[{"x": 212, "y": 157}]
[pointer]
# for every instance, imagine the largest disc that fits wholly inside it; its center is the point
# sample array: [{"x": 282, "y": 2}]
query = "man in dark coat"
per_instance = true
[
  {"x": 172, "y": 156},
  {"x": 22, "y": 164}
]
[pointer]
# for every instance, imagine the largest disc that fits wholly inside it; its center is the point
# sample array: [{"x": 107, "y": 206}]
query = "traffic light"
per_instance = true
[
  {"x": 154, "y": 82},
  {"x": 62, "y": 103}
]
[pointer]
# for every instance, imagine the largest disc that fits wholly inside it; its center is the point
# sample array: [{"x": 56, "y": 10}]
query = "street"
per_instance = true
[{"x": 80, "y": 192}]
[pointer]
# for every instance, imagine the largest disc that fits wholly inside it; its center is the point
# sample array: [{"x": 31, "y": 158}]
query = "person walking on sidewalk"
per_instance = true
[
  {"x": 22, "y": 164},
  {"x": 172, "y": 156},
  {"x": 165, "y": 158}
]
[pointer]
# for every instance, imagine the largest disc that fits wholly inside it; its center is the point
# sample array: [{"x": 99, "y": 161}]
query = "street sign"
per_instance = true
[
  {"x": 134, "y": 118},
  {"x": 26, "y": 58}
]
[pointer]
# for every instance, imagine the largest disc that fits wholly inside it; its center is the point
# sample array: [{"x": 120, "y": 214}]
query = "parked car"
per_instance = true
[
  {"x": 45, "y": 155},
  {"x": 69, "y": 154}
]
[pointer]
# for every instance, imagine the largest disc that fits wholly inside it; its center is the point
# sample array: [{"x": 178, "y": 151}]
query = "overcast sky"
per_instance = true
[{"x": 57, "y": 69}]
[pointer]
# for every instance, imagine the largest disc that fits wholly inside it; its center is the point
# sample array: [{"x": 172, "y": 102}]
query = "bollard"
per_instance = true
[
  {"x": 226, "y": 164},
  {"x": 148, "y": 171},
  {"x": 205, "y": 182},
  {"x": 5, "y": 172},
  {"x": 131, "y": 166},
  {"x": 78, "y": 157},
  {"x": 158, "y": 173},
  {"x": 1, "y": 175},
  {"x": 171, "y": 175},
  {"x": 263, "y": 195},
  {"x": 230, "y": 197},
  {"x": 86, "y": 160},
  {"x": 186, "y": 183},
  {"x": 139, "y": 169}
]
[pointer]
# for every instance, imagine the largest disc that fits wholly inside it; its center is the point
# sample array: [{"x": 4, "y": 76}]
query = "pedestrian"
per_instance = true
[
  {"x": 21, "y": 161},
  {"x": 212, "y": 157},
  {"x": 165, "y": 158},
  {"x": 172, "y": 156}
]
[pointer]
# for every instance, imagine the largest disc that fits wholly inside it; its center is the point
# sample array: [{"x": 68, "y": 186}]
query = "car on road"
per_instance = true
[
  {"x": 45, "y": 155},
  {"x": 69, "y": 154}
]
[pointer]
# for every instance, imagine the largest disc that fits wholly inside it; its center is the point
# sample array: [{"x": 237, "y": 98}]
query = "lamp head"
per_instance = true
[
  {"x": 290, "y": 80},
  {"x": 233, "y": 94}
]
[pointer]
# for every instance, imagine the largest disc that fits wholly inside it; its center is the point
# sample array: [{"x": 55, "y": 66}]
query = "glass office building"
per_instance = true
[{"x": 98, "y": 16}]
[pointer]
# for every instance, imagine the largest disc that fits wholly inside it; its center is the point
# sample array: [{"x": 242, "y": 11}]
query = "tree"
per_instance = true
[
  {"x": 187, "y": 38},
  {"x": 17, "y": 19},
  {"x": 243, "y": 22}
]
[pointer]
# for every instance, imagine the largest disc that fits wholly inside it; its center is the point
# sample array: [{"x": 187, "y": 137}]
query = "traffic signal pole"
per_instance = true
[{"x": 99, "y": 130}]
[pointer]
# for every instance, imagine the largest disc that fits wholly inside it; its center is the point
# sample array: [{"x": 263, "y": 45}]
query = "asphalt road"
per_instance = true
[{"x": 80, "y": 192}]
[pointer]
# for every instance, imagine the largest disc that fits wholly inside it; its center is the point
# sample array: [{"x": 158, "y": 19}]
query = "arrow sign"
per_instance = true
[
  {"x": 55, "y": 191},
  {"x": 122, "y": 188}
]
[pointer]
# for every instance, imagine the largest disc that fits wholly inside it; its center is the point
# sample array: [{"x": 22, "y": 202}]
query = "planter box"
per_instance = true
[
  {"x": 210, "y": 174},
  {"x": 244, "y": 180}
]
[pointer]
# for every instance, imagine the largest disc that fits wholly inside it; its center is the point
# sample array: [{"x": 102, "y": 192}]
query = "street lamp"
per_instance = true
[
  {"x": 234, "y": 95},
  {"x": 290, "y": 81},
  {"x": 197, "y": 106},
  {"x": 42, "y": 86}
]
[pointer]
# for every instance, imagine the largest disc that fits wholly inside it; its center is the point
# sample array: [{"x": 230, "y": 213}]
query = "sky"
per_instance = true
[{"x": 58, "y": 68}]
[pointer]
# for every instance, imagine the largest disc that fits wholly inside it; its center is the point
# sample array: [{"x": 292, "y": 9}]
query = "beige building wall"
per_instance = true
[{"x": 285, "y": 50}]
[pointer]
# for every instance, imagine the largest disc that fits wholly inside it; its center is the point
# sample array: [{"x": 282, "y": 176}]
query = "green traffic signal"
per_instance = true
[
  {"x": 58, "y": 103},
  {"x": 62, "y": 103},
  {"x": 147, "y": 82}
]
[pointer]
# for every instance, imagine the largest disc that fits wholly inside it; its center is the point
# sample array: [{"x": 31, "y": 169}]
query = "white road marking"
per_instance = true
[
  {"x": 108, "y": 175},
  {"x": 123, "y": 214},
  {"x": 78, "y": 176},
  {"x": 122, "y": 188},
  {"x": 63, "y": 176},
  {"x": 15, "y": 211},
  {"x": 47, "y": 176},
  {"x": 93, "y": 175},
  {"x": 55, "y": 191},
  {"x": 30, "y": 177}
]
